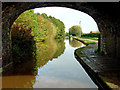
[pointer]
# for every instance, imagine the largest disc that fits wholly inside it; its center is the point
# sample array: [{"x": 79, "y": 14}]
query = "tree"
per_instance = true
[
  {"x": 75, "y": 31},
  {"x": 59, "y": 25}
]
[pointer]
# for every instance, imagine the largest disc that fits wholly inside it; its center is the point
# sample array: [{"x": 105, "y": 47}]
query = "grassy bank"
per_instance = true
[
  {"x": 88, "y": 41},
  {"x": 85, "y": 40},
  {"x": 79, "y": 51},
  {"x": 93, "y": 38}
]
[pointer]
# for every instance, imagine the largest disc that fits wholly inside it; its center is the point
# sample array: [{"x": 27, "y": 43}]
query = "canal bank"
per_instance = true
[{"x": 104, "y": 71}]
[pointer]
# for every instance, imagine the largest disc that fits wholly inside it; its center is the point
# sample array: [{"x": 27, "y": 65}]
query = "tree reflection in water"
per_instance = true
[
  {"x": 75, "y": 43},
  {"x": 24, "y": 75},
  {"x": 48, "y": 50}
]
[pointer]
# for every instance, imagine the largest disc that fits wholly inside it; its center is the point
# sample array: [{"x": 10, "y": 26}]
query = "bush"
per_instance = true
[
  {"x": 91, "y": 35},
  {"x": 75, "y": 31}
]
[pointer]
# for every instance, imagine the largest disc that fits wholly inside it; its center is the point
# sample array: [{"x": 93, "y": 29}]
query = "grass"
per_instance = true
[
  {"x": 79, "y": 50},
  {"x": 88, "y": 41},
  {"x": 93, "y": 38}
]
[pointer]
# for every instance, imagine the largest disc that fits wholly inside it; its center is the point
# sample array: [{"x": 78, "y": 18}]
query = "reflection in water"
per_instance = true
[
  {"x": 23, "y": 75},
  {"x": 52, "y": 71},
  {"x": 74, "y": 43},
  {"x": 48, "y": 50}
]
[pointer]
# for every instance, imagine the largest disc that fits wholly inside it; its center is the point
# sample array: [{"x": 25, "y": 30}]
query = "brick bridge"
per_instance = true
[{"x": 106, "y": 15}]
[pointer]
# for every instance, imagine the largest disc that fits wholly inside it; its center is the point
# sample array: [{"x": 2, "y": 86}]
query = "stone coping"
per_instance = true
[{"x": 103, "y": 70}]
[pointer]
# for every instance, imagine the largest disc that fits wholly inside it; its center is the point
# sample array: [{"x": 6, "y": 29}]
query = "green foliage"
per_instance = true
[
  {"x": 75, "y": 31},
  {"x": 29, "y": 20},
  {"x": 59, "y": 25},
  {"x": 88, "y": 41},
  {"x": 67, "y": 34},
  {"x": 29, "y": 29},
  {"x": 85, "y": 41},
  {"x": 90, "y": 35},
  {"x": 21, "y": 49},
  {"x": 45, "y": 29},
  {"x": 22, "y": 43},
  {"x": 93, "y": 38},
  {"x": 79, "y": 51},
  {"x": 96, "y": 50}
]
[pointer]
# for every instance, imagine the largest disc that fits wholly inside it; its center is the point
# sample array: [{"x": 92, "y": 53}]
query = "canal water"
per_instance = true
[{"x": 56, "y": 68}]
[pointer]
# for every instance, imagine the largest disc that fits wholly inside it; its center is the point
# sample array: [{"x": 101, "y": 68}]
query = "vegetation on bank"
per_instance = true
[
  {"x": 89, "y": 38},
  {"x": 88, "y": 41},
  {"x": 85, "y": 41},
  {"x": 90, "y": 35},
  {"x": 79, "y": 51},
  {"x": 40, "y": 25},
  {"x": 75, "y": 30},
  {"x": 59, "y": 25},
  {"x": 31, "y": 29},
  {"x": 92, "y": 38}
]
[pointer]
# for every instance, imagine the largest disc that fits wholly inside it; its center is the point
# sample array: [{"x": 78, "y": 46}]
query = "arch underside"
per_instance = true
[{"x": 105, "y": 14}]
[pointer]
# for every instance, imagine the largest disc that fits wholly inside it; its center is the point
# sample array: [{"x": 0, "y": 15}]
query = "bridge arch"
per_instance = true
[{"x": 106, "y": 18}]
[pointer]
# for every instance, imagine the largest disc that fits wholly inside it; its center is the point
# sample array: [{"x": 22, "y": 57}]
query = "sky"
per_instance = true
[{"x": 70, "y": 17}]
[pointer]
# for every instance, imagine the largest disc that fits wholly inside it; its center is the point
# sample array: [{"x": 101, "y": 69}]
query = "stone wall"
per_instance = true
[{"x": 105, "y": 14}]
